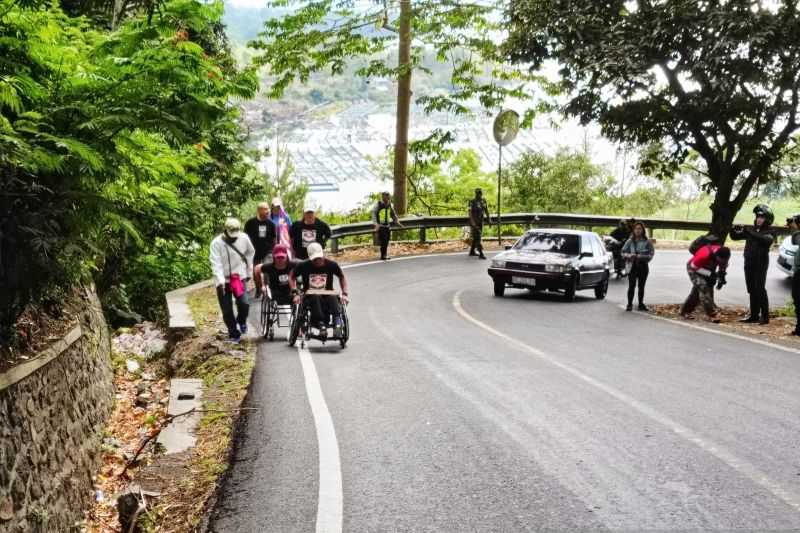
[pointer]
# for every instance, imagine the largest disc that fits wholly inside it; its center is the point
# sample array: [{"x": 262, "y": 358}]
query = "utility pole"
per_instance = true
[{"x": 403, "y": 108}]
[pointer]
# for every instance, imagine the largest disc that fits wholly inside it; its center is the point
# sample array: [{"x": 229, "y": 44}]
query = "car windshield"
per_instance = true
[{"x": 557, "y": 243}]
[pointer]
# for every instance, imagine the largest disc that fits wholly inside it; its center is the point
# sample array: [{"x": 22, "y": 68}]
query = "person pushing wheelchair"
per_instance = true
[{"x": 317, "y": 274}]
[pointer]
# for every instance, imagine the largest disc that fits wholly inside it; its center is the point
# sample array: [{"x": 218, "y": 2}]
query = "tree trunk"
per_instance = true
[
  {"x": 403, "y": 108},
  {"x": 722, "y": 215}
]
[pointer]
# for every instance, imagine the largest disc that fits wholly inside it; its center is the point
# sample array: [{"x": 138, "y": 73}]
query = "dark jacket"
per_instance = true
[
  {"x": 621, "y": 234},
  {"x": 320, "y": 231},
  {"x": 758, "y": 241},
  {"x": 262, "y": 235}
]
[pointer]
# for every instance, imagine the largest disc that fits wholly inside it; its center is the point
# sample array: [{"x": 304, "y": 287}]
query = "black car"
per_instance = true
[{"x": 554, "y": 259}]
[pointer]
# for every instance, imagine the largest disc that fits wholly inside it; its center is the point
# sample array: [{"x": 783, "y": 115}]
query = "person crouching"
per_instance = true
[{"x": 706, "y": 268}]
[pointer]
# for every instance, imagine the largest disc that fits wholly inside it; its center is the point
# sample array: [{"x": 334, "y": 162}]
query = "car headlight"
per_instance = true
[
  {"x": 555, "y": 268},
  {"x": 498, "y": 263}
]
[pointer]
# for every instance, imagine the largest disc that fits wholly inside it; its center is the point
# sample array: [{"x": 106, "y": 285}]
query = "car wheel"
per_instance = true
[
  {"x": 499, "y": 288},
  {"x": 601, "y": 290},
  {"x": 569, "y": 292}
]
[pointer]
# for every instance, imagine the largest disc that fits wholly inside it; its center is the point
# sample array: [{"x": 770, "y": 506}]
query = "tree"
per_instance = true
[
  {"x": 113, "y": 145},
  {"x": 716, "y": 78},
  {"x": 565, "y": 183},
  {"x": 283, "y": 184},
  {"x": 327, "y": 34}
]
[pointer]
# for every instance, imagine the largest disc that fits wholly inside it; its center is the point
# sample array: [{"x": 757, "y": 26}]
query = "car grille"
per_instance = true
[{"x": 525, "y": 266}]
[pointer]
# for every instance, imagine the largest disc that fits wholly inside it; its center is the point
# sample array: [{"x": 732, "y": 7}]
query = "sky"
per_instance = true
[{"x": 254, "y": 4}]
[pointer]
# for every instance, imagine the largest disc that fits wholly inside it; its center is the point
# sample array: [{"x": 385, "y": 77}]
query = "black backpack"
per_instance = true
[{"x": 701, "y": 241}]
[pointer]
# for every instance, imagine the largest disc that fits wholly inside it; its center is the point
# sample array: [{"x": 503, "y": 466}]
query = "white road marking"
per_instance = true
[
  {"x": 755, "y": 475},
  {"x": 717, "y": 331},
  {"x": 330, "y": 503},
  {"x": 407, "y": 258}
]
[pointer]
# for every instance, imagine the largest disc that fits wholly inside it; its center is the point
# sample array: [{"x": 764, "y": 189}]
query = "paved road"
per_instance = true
[{"x": 474, "y": 413}]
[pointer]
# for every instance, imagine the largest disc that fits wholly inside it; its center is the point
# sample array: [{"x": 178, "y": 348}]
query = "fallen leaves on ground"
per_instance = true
[
  {"x": 779, "y": 327},
  {"x": 127, "y": 428}
]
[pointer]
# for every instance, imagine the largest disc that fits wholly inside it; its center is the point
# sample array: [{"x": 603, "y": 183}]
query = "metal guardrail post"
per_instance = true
[
  {"x": 422, "y": 235},
  {"x": 334, "y": 245}
]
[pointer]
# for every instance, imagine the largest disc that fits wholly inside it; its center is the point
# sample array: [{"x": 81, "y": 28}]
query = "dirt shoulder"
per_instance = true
[
  {"x": 778, "y": 331},
  {"x": 173, "y": 490}
]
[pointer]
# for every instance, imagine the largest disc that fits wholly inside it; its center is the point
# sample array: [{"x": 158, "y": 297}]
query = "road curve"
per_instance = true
[{"x": 455, "y": 411}]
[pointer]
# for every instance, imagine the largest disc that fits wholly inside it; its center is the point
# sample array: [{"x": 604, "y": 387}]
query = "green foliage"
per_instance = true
[
  {"x": 112, "y": 145},
  {"x": 565, "y": 183},
  {"x": 326, "y": 36},
  {"x": 715, "y": 78}
]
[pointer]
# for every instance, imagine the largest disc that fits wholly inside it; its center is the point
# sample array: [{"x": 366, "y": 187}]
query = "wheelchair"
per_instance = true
[
  {"x": 301, "y": 319},
  {"x": 274, "y": 314}
]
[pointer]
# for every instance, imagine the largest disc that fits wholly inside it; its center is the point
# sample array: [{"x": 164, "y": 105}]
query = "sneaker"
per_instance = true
[
  {"x": 643, "y": 307},
  {"x": 235, "y": 340},
  {"x": 629, "y": 307},
  {"x": 243, "y": 328},
  {"x": 764, "y": 321},
  {"x": 752, "y": 319},
  {"x": 481, "y": 256}
]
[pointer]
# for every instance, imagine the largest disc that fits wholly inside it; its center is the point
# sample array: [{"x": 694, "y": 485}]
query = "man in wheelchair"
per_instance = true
[
  {"x": 317, "y": 274},
  {"x": 274, "y": 273}
]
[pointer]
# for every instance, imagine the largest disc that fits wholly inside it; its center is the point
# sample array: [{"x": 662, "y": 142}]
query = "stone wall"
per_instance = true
[{"x": 52, "y": 412}]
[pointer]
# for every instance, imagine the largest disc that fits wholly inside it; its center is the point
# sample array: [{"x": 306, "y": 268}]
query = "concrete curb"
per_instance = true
[
  {"x": 23, "y": 370},
  {"x": 180, "y": 315}
]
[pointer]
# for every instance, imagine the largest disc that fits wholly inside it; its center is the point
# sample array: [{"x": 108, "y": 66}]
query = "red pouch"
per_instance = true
[{"x": 237, "y": 286}]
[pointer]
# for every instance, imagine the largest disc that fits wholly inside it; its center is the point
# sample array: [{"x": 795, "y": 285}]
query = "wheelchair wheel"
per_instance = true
[
  {"x": 345, "y": 328},
  {"x": 264, "y": 316},
  {"x": 296, "y": 324}
]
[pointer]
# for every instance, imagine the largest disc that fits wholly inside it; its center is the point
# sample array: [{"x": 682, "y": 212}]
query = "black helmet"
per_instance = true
[{"x": 763, "y": 210}]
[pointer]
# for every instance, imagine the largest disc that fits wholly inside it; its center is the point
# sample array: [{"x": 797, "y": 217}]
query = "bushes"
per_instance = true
[{"x": 111, "y": 145}]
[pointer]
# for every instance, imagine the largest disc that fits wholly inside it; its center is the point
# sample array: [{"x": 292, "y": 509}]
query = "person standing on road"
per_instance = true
[
  {"x": 308, "y": 230},
  {"x": 383, "y": 215},
  {"x": 758, "y": 240},
  {"x": 283, "y": 223},
  {"x": 478, "y": 213},
  {"x": 794, "y": 225},
  {"x": 707, "y": 267},
  {"x": 261, "y": 232},
  {"x": 638, "y": 251},
  {"x": 231, "y": 258}
]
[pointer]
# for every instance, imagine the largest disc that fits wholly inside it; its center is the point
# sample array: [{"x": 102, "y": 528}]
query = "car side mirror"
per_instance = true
[
  {"x": 586, "y": 254},
  {"x": 508, "y": 246}
]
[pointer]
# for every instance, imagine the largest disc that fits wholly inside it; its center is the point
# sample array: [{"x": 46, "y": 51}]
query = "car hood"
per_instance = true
[
  {"x": 537, "y": 258},
  {"x": 787, "y": 244}
]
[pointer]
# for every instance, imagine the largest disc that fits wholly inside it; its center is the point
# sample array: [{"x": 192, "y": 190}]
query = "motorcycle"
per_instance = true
[{"x": 614, "y": 247}]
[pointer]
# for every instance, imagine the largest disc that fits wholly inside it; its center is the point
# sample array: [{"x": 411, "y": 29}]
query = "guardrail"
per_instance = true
[{"x": 524, "y": 219}]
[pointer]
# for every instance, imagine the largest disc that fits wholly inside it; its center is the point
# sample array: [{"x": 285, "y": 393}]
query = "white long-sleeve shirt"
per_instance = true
[{"x": 225, "y": 261}]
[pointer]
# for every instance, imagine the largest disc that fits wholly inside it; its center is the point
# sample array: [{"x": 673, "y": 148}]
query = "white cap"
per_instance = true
[
  {"x": 277, "y": 201},
  {"x": 309, "y": 209},
  {"x": 315, "y": 251},
  {"x": 232, "y": 226}
]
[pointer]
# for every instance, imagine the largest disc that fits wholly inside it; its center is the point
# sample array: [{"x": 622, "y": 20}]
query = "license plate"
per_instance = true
[{"x": 516, "y": 280}]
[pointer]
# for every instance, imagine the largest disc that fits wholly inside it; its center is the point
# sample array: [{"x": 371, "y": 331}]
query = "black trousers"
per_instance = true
[
  {"x": 476, "y": 235},
  {"x": 637, "y": 276},
  {"x": 755, "y": 276},
  {"x": 796, "y": 298},
  {"x": 226, "y": 300},
  {"x": 322, "y": 307},
  {"x": 384, "y": 236}
]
